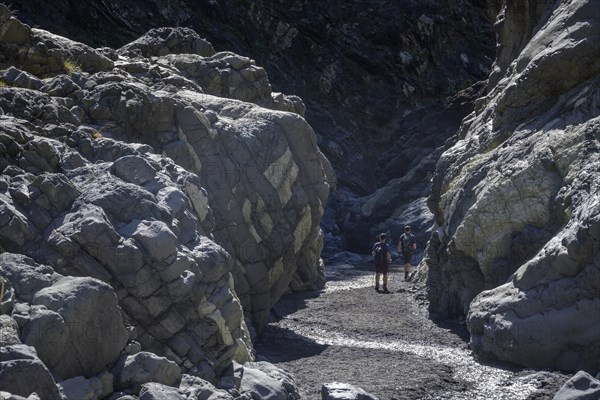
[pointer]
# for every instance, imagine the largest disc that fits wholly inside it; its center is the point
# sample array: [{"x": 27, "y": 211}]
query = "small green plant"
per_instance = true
[
  {"x": 70, "y": 66},
  {"x": 3, "y": 84}
]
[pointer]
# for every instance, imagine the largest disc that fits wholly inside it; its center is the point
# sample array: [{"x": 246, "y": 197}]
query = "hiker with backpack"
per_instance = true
[
  {"x": 383, "y": 258},
  {"x": 407, "y": 245}
]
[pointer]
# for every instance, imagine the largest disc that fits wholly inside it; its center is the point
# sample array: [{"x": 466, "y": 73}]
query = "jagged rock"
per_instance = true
[
  {"x": 88, "y": 190},
  {"x": 86, "y": 313},
  {"x": 22, "y": 373},
  {"x": 516, "y": 247},
  {"x": 195, "y": 387},
  {"x": 11, "y": 29},
  {"x": 81, "y": 388},
  {"x": 163, "y": 41},
  {"x": 135, "y": 370},
  {"x": 26, "y": 276},
  {"x": 9, "y": 331},
  {"x": 15, "y": 77},
  {"x": 265, "y": 381},
  {"x": 157, "y": 391},
  {"x": 344, "y": 391},
  {"x": 582, "y": 386}
]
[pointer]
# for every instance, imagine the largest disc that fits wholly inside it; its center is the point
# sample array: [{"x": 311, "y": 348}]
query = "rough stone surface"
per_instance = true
[
  {"x": 138, "y": 369},
  {"x": 9, "y": 331},
  {"x": 344, "y": 391},
  {"x": 378, "y": 93},
  {"x": 81, "y": 388},
  {"x": 515, "y": 201},
  {"x": 265, "y": 381},
  {"x": 158, "y": 391},
  {"x": 95, "y": 144},
  {"x": 22, "y": 373},
  {"x": 582, "y": 386}
]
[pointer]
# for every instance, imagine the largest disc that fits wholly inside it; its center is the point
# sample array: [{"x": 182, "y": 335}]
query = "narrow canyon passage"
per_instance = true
[{"x": 385, "y": 344}]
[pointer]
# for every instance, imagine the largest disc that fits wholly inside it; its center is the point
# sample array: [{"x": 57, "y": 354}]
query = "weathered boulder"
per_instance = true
[
  {"x": 158, "y": 391},
  {"x": 195, "y": 387},
  {"x": 344, "y": 391},
  {"x": 582, "y": 386},
  {"x": 516, "y": 206},
  {"x": 86, "y": 313},
  {"x": 265, "y": 381},
  {"x": 22, "y": 373},
  {"x": 135, "y": 370},
  {"x": 82, "y": 388},
  {"x": 9, "y": 331}
]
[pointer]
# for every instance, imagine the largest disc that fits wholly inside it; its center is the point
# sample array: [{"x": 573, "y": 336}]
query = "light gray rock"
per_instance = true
[
  {"x": 15, "y": 77},
  {"x": 515, "y": 249},
  {"x": 26, "y": 276},
  {"x": 133, "y": 169},
  {"x": 22, "y": 373},
  {"x": 582, "y": 386},
  {"x": 143, "y": 367},
  {"x": 344, "y": 391},
  {"x": 158, "y": 391},
  {"x": 90, "y": 324},
  {"x": 81, "y": 388},
  {"x": 9, "y": 331},
  {"x": 265, "y": 381},
  {"x": 198, "y": 388}
]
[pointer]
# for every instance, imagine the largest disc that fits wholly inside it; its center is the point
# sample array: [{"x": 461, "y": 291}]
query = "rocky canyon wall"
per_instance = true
[
  {"x": 155, "y": 197},
  {"x": 516, "y": 198},
  {"x": 379, "y": 78}
]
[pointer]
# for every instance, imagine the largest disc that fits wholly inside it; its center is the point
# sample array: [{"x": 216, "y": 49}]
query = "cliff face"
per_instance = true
[
  {"x": 163, "y": 178},
  {"x": 379, "y": 80},
  {"x": 516, "y": 198}
]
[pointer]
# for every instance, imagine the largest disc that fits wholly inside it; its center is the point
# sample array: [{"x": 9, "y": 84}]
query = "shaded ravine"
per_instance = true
[{"x": 386, "y": 344}]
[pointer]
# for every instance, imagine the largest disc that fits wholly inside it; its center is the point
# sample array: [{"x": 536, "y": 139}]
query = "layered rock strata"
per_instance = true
[
  {"x": 152, "y": 198},
  {"x": 516, "y": 198}
]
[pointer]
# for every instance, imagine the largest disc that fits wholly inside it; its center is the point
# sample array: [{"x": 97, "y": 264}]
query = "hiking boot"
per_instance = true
[
  {"x": 377, "y": 287},
  {"x": 385, "y": 290},
  {"x": 406, "y": 276}
]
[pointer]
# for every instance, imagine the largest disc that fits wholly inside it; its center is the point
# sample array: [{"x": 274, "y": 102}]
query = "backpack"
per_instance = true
[
  {"x": 406, "y": 242},
  {"x": 381, "y": 250}
]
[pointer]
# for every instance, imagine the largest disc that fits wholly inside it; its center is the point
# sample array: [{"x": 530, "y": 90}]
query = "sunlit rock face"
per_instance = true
[
  {"x": 516, "y": 198},
  {"x": 163, "y": 181}
]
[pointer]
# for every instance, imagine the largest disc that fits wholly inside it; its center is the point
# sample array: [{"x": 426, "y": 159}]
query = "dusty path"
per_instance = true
[{"x": 386, "y": 344}]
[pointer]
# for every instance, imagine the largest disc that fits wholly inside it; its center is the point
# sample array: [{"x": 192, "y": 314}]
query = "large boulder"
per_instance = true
[
  {"x": 23, "y": 373},
  {"x": 86, "y": 313},
  {"x": 582, "y": 386},
  {"x": 516, "y": 206},
  {"x": 131, "y": 372},
  {"x": 265, "y": 381}
]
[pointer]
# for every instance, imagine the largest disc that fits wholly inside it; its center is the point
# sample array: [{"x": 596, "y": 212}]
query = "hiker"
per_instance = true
[
  {"x": 383, "y": 257},
  {"x": 407, "y": 245}
]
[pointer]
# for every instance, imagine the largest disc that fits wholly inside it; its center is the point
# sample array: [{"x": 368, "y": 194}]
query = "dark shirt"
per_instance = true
[{"x": 410, "y": 238}]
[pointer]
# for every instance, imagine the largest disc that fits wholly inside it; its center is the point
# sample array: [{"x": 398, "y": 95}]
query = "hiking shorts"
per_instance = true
[
  {"x": 407, "y": 257},
  {"x": 382, "y": 268}
]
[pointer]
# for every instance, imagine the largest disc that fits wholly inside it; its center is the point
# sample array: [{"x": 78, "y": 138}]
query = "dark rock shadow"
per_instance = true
[
  {"x": 459, "y": 329},
  {"x": 276, "y": 344}
]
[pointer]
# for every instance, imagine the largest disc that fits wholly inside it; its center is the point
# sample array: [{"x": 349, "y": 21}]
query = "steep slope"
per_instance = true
[
  {"x": 379, "y": 79},
  {"x": 516, "y": 198}
]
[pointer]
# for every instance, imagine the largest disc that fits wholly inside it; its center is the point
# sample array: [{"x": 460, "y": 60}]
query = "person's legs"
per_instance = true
[
  {"x": 377, "y": 281},
  {"x": 407, "y": 257},
  {"x": 385, "y": 281}
]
